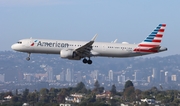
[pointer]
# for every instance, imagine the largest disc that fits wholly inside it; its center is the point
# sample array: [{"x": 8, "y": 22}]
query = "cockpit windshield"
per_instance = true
[{"x": 19, "y": 42}]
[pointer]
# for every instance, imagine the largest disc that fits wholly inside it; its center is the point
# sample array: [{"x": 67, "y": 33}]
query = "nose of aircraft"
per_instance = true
[{"x": 15, "y": 47}]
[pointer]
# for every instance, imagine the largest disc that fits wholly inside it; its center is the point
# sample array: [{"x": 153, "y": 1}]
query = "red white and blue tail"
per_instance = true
[{"x": 152, "y": 42}]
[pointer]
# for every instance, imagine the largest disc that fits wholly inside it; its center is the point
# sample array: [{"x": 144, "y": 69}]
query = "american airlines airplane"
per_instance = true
[{"x": 77, "y": 50}]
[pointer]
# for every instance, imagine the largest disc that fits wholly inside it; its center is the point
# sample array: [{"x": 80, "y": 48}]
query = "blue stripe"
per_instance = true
[
  {"x": 154, "y": 32},
  {"x": 160, "y": 24},
  {"x": 158, "y": 27},
  {"x": 147, "y": 40},
  {"x": 152, "y": 35}
]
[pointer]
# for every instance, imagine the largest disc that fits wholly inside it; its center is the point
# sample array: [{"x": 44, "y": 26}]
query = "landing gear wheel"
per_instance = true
[
  {"x": 89, "y": 61},
  {"x": 85, "y": 60},
  {"x": 28, "y": 58}
]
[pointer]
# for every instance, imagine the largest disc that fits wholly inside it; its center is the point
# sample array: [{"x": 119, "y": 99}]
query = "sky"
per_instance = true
[{"x": 126, "y": 20}]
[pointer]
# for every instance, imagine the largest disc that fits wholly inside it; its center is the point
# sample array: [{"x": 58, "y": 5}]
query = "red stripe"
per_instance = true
[
  {"x": 147, "y": 45},
  {"x": 161, "y": 30},
  {"x": 156, "y": 41},
  {"x": 142, "y": 50},
  {"x": 159, "y": 35},
  {"x": 163, "y": 25}
]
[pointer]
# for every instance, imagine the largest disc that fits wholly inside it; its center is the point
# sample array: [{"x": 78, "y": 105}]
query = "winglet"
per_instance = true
[{"x": 93, "y": 39}]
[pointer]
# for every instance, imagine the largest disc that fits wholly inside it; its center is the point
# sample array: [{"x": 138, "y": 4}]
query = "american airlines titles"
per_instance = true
[{"x": 52, "y": 44}]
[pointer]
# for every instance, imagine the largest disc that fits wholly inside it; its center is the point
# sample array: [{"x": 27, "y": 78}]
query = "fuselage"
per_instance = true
[{"x": 55, "y": 46}]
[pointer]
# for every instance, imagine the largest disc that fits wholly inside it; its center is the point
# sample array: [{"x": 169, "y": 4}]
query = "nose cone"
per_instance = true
[{"x": 15, "y": 47}]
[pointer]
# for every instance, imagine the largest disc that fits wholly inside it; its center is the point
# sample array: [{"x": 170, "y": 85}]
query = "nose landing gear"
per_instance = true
[{"x": 28, "y": 58}]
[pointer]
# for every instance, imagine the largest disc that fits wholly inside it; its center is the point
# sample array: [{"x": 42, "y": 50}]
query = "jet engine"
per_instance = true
[{"x": 69, "y": 54}]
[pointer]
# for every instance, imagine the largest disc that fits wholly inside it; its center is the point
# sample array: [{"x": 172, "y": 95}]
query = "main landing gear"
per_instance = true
[
  {"x": 28, "y": 58},
  {"x": 87, "y": 61}
]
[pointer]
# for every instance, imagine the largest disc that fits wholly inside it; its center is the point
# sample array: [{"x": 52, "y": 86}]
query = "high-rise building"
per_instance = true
[
  {"x": 62, "y": 74},
  {"x": 137, "y": 76},
  {"x": 69, "y": 75},
  {"x": 28, "y": 77},
  {"x": 94, "y": 74},
  {"x": 155, "y": 75},
  {"x": 149, "y": 79},
  {"x": 110, "y": 75},
  {"x": 167, "y": 77},
  {"x": 121, "y": 78},
  {"x": 50, "y": 75},
  {"x": 49, "y": 71},
  {"x": 173, "y": 78},
  {"x": 58, "y": 77}
]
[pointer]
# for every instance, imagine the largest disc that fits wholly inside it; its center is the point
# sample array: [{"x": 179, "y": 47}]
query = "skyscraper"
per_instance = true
[
  {"x": 49, "y": 71},
  {"x": 94, "y": 74},
  {"x": 110, "y": 75},
  {"x": 69, "y": 75},
  {"x": 155, "y": 75},
  {"x": 62, "y": 74},
  {"x": 137, "y": 75}
]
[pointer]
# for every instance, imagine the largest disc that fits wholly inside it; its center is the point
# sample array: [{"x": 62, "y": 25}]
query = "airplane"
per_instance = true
[{"x": 77, "y": 50}]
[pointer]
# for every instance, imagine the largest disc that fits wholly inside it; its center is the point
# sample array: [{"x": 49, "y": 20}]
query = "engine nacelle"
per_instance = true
[{"x": 69, "y": 54}]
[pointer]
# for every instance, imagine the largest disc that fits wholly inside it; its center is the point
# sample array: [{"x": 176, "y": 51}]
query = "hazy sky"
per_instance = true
[{"x": 125, "y": 20}]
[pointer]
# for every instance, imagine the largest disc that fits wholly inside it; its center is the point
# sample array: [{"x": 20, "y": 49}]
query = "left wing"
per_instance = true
[{"x": 85, "y": 50}]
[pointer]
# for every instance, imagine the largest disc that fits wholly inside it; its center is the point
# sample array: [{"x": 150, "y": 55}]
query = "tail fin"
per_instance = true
[{"x": 153, "y": 41}]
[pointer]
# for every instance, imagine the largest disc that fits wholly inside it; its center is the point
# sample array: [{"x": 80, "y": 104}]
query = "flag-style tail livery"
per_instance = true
[
  {"x": 77, "y": 50},
  {"x": 152, "y": 42}
]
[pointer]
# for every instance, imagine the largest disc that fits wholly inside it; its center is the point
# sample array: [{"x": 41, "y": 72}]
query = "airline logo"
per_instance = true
[
  {"x": 32, "y": 44},
  {"x": 50, "y": 44},
  {"x": 152, "y": 42}
]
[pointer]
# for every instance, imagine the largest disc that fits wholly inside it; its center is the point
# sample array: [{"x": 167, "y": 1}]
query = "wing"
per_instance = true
[{"x": 85, "y": 50}]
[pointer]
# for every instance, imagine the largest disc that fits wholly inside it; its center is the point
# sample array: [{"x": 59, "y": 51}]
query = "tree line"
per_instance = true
[{"x": 55, "y": 96}]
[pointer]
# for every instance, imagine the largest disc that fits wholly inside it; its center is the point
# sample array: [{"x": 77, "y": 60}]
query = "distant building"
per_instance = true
[
  {"x": 149, "y": 78},
  {"x": 110, "y": 75},
  {"x": 173, "y": 78},
  {"x": 69, "y": 74},
  {"x": 155, "y": 75},
  {"x": 28, "y": 77},
  {"x": 137, "y": 76},
  {"x": 149, "y": 101},
  {"x": 49, "y": 71},
  {"x": 62, "y": 74},
  {"x": 8, "y": 97},
  {"x": 65, "y": 104},
  {"x": 121, "y": 79},
  {"x": 106, "y": 94},
  {"x": 25, "y": 104},
  {"x": 94, "y": 74},
  {"x": 78, "y": 77},
  {"x": 167, "y": 77},
  {"x": 58, "y": 77}
]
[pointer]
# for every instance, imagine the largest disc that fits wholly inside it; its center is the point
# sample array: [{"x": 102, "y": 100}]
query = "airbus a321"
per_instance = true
[{"x": 77, "y": 50}]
